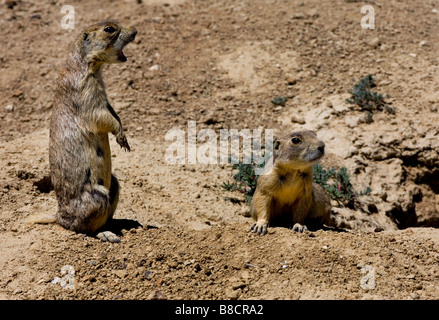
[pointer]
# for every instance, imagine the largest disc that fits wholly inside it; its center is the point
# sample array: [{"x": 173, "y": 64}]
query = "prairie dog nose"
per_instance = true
[{"x": 133, "y": 33}]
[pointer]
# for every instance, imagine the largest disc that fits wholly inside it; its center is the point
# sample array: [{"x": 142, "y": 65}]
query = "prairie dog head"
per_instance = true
[
  {"x": 104, "y": 42},
  {"x": 298, "y": 150}
]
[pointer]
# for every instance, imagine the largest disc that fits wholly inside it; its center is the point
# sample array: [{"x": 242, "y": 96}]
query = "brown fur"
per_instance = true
[
  {"x": 285, "y": 191},
  {"x": 79, "y": 150}
]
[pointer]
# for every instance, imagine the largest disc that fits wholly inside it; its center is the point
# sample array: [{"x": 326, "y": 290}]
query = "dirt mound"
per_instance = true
[{"x": 221, "y": 64}]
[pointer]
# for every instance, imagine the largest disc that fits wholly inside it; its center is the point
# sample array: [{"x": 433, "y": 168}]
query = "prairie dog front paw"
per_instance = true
[
  {"x": 121, "y": 139},
  {"x": 260, "y": 228}
]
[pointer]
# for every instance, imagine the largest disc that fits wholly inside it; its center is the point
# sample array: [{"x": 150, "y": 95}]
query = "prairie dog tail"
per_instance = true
[{"x": 42, "y": 218}]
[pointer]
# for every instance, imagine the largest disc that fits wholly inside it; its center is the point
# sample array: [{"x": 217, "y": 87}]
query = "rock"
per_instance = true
[
  {"x": 17, "y": 93},
  {"x": 154, "y": 111},
  {"x": 232, "y": 294},
  {"x": 188, "y": 262},
  {"x": 427, "y": 213},
  {"x": 327, "y": 103},
  {"x": 291, "y": 80},
  {"x": 157, "y": 295},
  {"x": 210, "y": 118},
  {"x": 298, "y": 16},
  {"x": 344, "y": 151},
  {"x": 298, "y": 119},
  {"x": 385, "y": 82},
  {"x": 353, "y": 219},
  {"x": 89, "y": 278},
  {"x": 245, "y": 211},
  {"x": 148, "y": 275},
  {"x": 339, "y": 104},
  {"x": 236, "y": 283},
  {"x": 154, "y": 67},
  {"x": 375, "y": 42},
  {"x": 120, "y": 273},
  {"x": 353, "y": 121},
  {"x": 9, "y": 108}
]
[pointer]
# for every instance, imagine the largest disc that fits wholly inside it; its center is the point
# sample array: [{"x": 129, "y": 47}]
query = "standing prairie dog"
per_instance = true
[
  {"x": 79, "y": 149},
  {"x": 285, "y": 191}
]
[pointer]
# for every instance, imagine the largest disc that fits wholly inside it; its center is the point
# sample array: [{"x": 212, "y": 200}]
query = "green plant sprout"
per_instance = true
[{"x": 366, "y": 99}]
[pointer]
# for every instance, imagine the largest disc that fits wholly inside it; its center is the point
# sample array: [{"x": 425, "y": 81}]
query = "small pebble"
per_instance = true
[
  {"x": 157, "y": 295},
  {"x": 291, "y": 81}
]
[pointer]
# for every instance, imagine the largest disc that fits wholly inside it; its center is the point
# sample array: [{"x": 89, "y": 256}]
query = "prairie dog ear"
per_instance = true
[{"x": 276, "y": 144}]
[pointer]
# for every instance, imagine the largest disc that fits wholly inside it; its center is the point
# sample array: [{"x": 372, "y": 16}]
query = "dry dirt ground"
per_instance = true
[{"x": 220, "y": 63}]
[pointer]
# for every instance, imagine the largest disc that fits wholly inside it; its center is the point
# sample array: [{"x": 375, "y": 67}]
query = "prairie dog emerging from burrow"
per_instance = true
[
  {"x": 285, "y": 191},
  {"x": 79, "y": 149}
]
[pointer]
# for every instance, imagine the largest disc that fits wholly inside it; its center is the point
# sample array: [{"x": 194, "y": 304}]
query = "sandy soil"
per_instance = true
[{"x": 219, "y": 63}]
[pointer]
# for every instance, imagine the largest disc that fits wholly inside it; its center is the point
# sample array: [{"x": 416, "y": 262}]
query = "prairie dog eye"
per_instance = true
[
  {"x": 296, "y": 140},
  {"x": 109, "y": 29}
]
